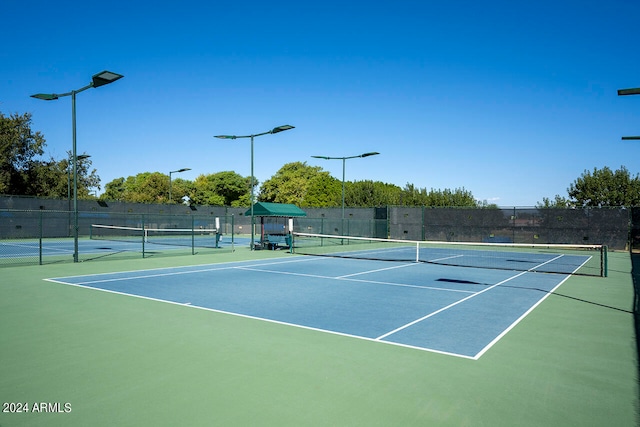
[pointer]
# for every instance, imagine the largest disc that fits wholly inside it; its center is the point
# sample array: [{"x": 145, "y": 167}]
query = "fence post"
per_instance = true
[
  {"x": 40, "y": 231},
  {"x": 423, "y": 228},
  {"x": 193, "y": 236}
]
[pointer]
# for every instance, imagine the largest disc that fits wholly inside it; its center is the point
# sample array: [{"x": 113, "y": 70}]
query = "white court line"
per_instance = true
[
  {"x": 216, "y": 267},
  {"x": 447, "y": 307},
  {"x": 376, "y": 270},
  {"x": 345, "y": 278},
  {"x": 525, "y": 314},
  {"x": 445, "y": 258},
  {"x": 225, "y": 266},
  {"x": 434, "y": 288},
  {"x": 278, "y": 322},
  {"x": 21, "y": 245},
  {"x": 533, "y": 269},
  {"x": 45, "y": 249}
]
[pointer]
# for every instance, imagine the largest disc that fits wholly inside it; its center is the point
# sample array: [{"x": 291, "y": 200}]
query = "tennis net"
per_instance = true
[
  {"x": 192, "y": 237},
  {"x": 588, "y": 260}
]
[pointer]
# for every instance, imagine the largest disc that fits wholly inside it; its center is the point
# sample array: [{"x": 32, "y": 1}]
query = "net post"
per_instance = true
[
  {"x": 604, "y": 260},
  {"x": 193, "y": 236},
  {"x": 233, "y": 242},
  {"x": 144, "y": 234},
  {"x": 217, "y": 227},
  {"x": 417, "y": 251}
]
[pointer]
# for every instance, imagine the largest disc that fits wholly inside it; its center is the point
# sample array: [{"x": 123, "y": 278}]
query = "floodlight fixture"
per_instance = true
[
  {"x": 104, "y": 78},
  {"x": 281, "y": 128},
  {"x": 369, "y": 154},
  {"x": 45, "y": 96},
  {"x": 633, "y": 91}
]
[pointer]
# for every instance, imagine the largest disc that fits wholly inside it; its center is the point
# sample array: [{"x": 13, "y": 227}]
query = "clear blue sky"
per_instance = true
[{"x": 510, "y": 100}]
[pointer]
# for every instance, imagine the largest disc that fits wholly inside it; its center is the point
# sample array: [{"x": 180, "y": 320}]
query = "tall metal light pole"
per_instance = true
[
  {"x": 274, "y": 130},
  {"x": 374, "y": 153},
  {"x": 100, "y": 79},
  {"x": 634, "y": 91},
  {"x": 170, "y": 172},
  {"x": 80, "y": 157}
]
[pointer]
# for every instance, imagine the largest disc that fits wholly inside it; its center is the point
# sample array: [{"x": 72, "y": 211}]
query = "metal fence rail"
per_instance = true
[{"x": 35, "y": 230}]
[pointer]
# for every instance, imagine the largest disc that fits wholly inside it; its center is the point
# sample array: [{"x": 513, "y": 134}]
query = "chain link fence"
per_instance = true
[
  {"x": 36, "y": 230},
  {"x": 46, "y": 236},
  {"x": 607, "y": 226}
]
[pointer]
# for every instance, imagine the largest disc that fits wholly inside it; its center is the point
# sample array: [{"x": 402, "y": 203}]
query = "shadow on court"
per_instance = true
[{"x": 546, "y": 291}]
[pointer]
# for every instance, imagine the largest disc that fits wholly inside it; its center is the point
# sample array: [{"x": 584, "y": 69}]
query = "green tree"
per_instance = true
[
  {"x": 47, "y": 179},
  {"x": 87, "y": 177},
  {"x": 300, "y": 184},
  {"x": 114, "y": 190},
  {"x": 369, "y": 193},
  {"x": 19, "y": 146},
  {"x": 557, "y": 202},
  {"x": 146, "y": 187},
  {"x": 451, "y": 198},
  {"x": 323, "y": 191},
  {"x": 24, "y": 172},
  {"x": 604, "y": 187},
  {"x": 412, "y": 196},
  {"x": 181, "y": 188},
  {"x": 222, "y": 189}
]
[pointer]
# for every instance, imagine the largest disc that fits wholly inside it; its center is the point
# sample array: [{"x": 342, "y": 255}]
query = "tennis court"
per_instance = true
[
  {"x": 51, "y": 250},
  {"x": 459, "y": 311},
  {"x": 282, "y": 339}
]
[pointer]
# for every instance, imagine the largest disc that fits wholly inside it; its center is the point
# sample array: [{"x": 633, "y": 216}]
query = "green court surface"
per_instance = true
[{"x": 91, "y": 358}]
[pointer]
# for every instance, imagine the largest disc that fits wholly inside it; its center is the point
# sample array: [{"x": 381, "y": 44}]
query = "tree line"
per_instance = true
[
  {"x": 297, "y": 183},
  {"x": 25, "y": 171}
]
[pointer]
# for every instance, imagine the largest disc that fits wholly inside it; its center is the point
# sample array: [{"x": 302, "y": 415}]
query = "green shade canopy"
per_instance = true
[{"x": 276, "y": 209}]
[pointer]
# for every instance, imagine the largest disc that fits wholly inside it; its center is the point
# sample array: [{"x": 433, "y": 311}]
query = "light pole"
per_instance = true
[
  {"x": 80, "y": 157},
  {"x": 170, "y": 172},
  {"x": 100, "y": 79},
  {"x": 634, "y": 91},
  {"x": 344, "y": 159},
  {"x": 274, "y": 130}
]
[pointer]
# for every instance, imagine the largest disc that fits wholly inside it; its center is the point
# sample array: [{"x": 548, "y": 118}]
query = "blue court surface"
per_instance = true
[
  {"x": 459, "y": 311},
  {"x": 24, "y": 248}
]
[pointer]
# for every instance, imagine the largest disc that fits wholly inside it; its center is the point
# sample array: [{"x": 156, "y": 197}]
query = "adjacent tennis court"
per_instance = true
[
  {"x": 453, "y": 310},
  {"x": 146, "y": 243}
]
